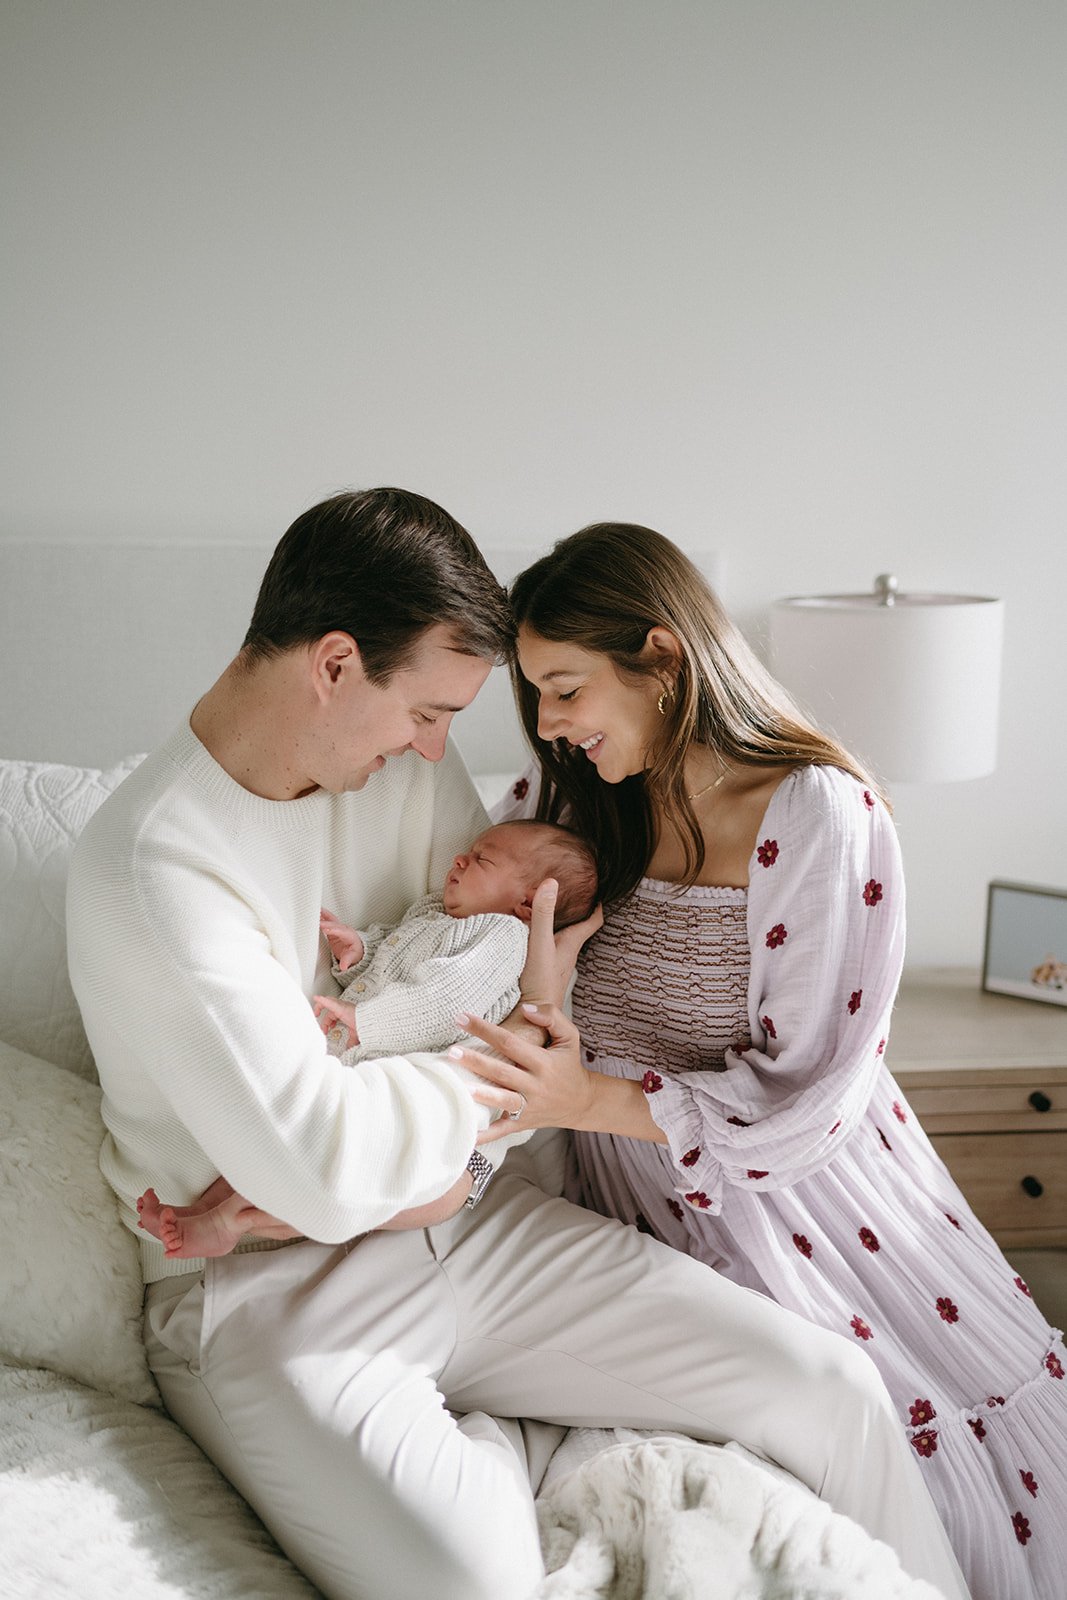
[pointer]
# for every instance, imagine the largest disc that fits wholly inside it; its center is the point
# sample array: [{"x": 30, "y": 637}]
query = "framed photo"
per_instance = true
[{"x": 1026, "y": 942}]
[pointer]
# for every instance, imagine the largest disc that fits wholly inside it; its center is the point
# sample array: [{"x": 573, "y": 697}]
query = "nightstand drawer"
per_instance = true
[
  {"x": 995, "y": 1171},
  {"x": 988, "y": 1102}
]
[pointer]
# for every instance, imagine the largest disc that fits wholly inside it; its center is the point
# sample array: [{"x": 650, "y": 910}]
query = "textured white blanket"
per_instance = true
[{"x": 663, "y": 1518}]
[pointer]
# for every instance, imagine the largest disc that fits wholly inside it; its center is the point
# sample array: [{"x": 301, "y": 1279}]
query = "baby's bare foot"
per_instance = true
[
  {"x": 149, "y": 1213},
  {"x": 188, "y": 1234}
]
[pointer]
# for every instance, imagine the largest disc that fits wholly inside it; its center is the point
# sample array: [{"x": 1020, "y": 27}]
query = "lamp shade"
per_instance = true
[{"x": 909, "y": 683}]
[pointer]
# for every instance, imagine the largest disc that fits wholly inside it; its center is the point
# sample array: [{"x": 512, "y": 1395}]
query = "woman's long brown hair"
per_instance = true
[{"x": 602, "y": 589}]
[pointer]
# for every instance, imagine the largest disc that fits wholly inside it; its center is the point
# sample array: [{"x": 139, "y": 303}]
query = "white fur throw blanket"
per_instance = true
[{"x": 660, "y": 1517}]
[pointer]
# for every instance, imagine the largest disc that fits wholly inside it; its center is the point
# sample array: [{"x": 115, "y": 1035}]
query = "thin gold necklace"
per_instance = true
[{"x": 714, "y": 784}]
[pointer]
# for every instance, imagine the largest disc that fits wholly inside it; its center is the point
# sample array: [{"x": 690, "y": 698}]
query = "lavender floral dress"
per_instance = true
[{"x": 758, "y": 1022}]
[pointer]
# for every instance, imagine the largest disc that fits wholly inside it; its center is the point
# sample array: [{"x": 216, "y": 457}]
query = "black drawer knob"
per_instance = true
[
  {"x": 1039, "y": 1101},
  {"x": 1033, "y": 1187}
]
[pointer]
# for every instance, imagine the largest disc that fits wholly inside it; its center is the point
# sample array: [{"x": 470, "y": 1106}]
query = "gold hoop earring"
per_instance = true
[{"x": 665, "y": 698}]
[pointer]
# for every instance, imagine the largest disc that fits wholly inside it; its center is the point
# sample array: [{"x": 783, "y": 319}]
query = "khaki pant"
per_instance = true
[{"x": 363, "y": 1400}]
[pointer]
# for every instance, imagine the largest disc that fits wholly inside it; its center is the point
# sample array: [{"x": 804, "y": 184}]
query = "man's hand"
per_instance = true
[{"x": 346, "y": 946}]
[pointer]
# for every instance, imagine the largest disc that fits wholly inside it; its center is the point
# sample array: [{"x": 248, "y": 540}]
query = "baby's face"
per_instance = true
[{"x": 490, "y": 876}]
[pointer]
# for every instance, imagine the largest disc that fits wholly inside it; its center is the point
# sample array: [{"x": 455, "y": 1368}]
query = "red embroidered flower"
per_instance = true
[
  {"x": 899, "y": 1112},
  {"x": 925, "y": 1442},
  {"x": 978, "y": 1427},
  {"x": 869, "y": 1240},
  {"x": 1021, "y": 1526},
  {"x": 884, "y": 1140},
  {"x": 767, "y": 852},
  {"x": 995, "y": 1400},
  {"x": 651, "y": 1082},
  {"x": 1029, "y": 1482},
  {"x": 777, "y": 936},
  {"x": 854, "y": 1001},
  {"x": 953, "y": 1221},
  {"x": 922, "y": 1411},
  {"x": 803, "y": 1245},
  {"x": 860, "y": 1328},
  {"x": 737, "y": 1123},
  {"x": 946, "y": 1310},
  {"x": 521, "y": 789},
  {"x": 868, "y": 799},
  {"x": 835, "y": 1127},
  {"x": 691, "y": 1157},
  {"x": 699, "y": 1199},
  {"x": 1019, "y": 1284},
  {"x": 881, "y": 1047},
  {"x": 675, "y": 1209},
  {"x": 872, "y": 892},
  {"x": 768, "y": 1027},
  {"x": 1054, "y": 1364},
  {"x": 753, "y": 1173}
]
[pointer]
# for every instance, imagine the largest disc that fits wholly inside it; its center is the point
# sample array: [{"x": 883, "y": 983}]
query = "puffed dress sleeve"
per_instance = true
[
  {"x": 826, "y": 936},
  {"x": 521, "y": 799}
]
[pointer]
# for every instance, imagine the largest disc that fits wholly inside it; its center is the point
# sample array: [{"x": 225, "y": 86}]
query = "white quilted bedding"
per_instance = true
[{"x": 43, "y": 808}]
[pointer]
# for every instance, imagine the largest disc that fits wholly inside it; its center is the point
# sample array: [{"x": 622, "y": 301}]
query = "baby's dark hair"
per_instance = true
[{"x": 557, "y": 852}]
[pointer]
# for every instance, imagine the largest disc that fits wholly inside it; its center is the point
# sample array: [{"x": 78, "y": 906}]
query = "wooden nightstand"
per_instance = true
[{"x": 987, "y": 1077}]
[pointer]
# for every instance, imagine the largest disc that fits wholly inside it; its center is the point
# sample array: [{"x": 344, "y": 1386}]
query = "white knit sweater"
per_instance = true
[{"x": 193, "y": 930}]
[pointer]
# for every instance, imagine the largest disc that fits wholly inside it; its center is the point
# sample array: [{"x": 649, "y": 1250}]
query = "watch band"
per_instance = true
[{"x": 481, "y": 1170}]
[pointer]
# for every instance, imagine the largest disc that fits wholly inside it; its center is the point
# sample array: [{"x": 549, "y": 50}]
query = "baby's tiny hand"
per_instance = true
[
  {"x": 346, "y": 946},
  {"x": 336, "y": 1016}
]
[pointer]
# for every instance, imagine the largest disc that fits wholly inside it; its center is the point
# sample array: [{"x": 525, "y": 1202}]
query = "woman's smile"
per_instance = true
[{"x": 574, "y": 686}]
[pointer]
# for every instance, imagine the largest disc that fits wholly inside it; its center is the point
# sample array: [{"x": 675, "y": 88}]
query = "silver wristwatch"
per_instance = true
[{"x": 481, "y": 1170}]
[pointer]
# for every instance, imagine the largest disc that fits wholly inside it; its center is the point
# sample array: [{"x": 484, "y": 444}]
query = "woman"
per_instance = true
[{"x": 729, "y": 1093}]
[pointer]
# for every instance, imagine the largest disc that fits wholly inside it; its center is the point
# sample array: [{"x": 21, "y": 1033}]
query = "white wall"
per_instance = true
[{"x": 782, "y": 279}]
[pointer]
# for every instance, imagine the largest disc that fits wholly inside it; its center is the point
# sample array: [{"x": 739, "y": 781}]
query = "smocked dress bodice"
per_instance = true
[{"x": 696, "y": 942}]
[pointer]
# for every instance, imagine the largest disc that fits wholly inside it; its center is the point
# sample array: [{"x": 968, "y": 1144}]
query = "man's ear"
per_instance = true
[{"x": 332, "y": 661}]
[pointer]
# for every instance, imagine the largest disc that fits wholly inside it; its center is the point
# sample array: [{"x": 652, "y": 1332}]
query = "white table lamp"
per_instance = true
[{"x": 910, "y": 683}]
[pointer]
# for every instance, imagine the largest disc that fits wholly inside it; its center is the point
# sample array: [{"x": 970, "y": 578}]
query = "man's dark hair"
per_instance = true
[{"x": 382, "y": 565}]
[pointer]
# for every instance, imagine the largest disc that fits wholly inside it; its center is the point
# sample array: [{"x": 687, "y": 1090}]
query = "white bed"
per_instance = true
[{"x": 102, "y": 649}]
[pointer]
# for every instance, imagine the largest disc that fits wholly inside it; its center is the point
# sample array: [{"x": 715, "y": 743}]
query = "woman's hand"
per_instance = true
[
  {"x": 550, "y": 956},
  {"x": 546, "y": 1085},
  {"x": 555, "y": 1089}
]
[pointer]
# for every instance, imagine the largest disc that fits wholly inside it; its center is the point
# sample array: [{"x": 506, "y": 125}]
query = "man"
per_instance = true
[{"x": 360, "y": 1387}]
